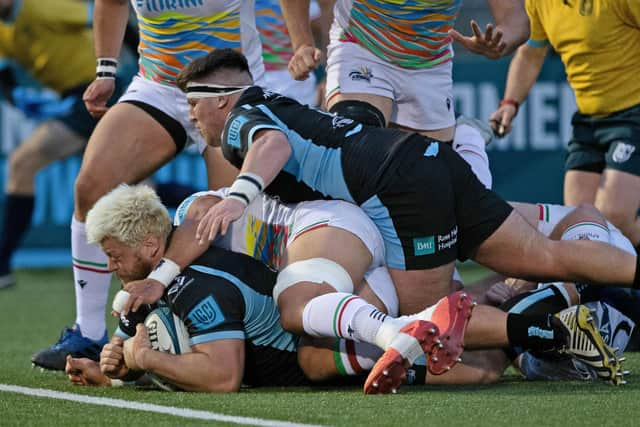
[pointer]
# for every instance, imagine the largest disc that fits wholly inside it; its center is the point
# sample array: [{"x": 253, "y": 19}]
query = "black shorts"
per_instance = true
[
  {"x": 605, "y": 142},
  {"x": 77, "y": 118},
  {"x": 433, "y": 210}
]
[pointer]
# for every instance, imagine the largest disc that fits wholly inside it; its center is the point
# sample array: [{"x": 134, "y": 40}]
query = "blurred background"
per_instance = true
[{"x": 526, "y": 166}]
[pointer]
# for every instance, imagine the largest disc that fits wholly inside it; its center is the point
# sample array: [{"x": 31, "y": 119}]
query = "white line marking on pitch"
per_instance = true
[{"x": 149, "y": 407}]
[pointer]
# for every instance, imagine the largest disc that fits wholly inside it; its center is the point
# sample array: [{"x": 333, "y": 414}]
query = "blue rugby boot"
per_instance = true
[{"x": 71, "y": 342}]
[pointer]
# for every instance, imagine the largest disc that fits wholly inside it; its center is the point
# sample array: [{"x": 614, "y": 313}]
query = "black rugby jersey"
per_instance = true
[
  {"x": 226, "y": 295},
  {"x": 334, "y": 156}
]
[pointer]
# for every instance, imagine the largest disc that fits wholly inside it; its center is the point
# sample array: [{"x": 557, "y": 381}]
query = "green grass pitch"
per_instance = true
[{"x": 33, "y": 312}]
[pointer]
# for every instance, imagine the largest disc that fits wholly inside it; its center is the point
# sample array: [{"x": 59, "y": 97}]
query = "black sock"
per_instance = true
[
  {"x": 537, "y": 333},
  {"x": 636, "y": 277},
  {"x": 17, "y": 218}
]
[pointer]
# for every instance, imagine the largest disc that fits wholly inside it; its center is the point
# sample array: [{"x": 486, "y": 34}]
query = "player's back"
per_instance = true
[
  {"x": 226, "y": 295},
  {"x": 334, "y": 155}
]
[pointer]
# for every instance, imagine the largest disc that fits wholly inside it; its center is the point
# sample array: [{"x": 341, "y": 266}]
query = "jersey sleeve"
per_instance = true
[
  {"x": 239, "y": 132},
  {"x": 211, "y": 308},
  {"x": 538, "y": 36},
  {"x": 628, "y": 11}
]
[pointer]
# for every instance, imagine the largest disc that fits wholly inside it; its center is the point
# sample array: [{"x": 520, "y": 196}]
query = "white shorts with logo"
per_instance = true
[
  {"x": 423, "y": 98},
  {"x": 168, "y": 99}
]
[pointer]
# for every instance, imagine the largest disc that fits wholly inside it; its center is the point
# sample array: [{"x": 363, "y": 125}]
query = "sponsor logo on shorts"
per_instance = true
[
  {"x": 424, "y": 245},
  {"x": 622, "y": 152},
  {"x": 432, "y": 244},
  {"x": 432, "y": 150},
  {"x": 363, "y": 74}
]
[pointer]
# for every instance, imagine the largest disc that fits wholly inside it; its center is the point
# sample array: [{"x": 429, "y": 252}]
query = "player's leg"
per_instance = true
[
  {"x": 127, "y": 146},
  {"x": 618, "y": 198},
  {"x": 580, "y": 186},
  {"x": 50, "y": 141}
]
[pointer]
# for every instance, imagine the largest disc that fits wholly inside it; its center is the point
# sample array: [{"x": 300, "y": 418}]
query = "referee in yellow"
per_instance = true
[{"x": 599, "y": 43}]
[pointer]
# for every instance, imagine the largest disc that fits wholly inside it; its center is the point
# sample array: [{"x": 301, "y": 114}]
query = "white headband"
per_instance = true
[{"x": 197, "y": 90}]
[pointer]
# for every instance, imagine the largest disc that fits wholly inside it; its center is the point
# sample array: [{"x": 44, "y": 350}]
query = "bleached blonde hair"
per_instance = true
[{"x": 129, "y": 214}]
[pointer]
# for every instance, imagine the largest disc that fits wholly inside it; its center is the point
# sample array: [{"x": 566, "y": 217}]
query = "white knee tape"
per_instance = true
[{"x": 315, "y": 270}]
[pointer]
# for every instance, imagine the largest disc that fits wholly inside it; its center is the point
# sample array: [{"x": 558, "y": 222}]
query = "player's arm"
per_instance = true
[
  {"x": 512, "y": 21},
  {"x": 214, "y": 366},
  {"x": 109, "y": 23},
  {"x": 264, "y": 159},
  {"x": 306, "y": 56}
]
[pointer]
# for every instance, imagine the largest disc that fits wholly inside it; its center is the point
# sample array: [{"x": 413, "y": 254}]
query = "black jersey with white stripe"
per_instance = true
[
  {"x": 227, "y": 295},
  {"x": 331, "y": 155}
]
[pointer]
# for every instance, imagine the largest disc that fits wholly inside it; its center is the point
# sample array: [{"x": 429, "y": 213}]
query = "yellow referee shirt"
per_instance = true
[
  {"x": 52, "y": 39},
  {"x": 599, "y": 43}
]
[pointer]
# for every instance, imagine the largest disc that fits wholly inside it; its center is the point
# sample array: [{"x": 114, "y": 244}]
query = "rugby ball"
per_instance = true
[{"x": 167, "y": 334}]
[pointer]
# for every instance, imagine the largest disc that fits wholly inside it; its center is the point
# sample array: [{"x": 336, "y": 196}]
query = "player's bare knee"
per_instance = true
[{"x": 621, "y": 218}]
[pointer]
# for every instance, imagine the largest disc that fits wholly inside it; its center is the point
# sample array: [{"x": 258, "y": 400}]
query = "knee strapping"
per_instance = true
[
  {"x": 317, "y": 270},
  {"x": 359, "y": 111}
]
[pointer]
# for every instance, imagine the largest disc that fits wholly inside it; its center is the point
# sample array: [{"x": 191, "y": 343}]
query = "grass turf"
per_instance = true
[{"x": 33, "y": 312}]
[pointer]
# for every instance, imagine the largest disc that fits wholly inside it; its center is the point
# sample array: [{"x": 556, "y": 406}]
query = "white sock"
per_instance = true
[
  {"x": 92, "y": 280},
  {"x": 354, "y": 358},
  {"x": 343, "y": 315}
]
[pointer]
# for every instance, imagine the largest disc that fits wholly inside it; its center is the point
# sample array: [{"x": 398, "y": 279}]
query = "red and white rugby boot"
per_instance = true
[
  {"x": 451, "y": 315},
  {"x": 413, "y": 340}
]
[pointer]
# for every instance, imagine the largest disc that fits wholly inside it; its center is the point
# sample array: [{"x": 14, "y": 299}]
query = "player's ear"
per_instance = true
[
  {"x": 223, "y": 101},
  {"x": 151, "y": 245}
]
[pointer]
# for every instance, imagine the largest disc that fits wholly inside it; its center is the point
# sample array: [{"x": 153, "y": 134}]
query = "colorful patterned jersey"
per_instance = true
[
  {"x": 598, "y": 42},
  {"x": 276, "y": 44},
  {"x": 409, "y": 34},
  {"x": 52, "y": 40},
  {"x": 173, "y": 33}
]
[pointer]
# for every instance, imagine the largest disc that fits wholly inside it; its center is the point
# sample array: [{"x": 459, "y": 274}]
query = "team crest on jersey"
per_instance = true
[
  {"x": 622, "y": 152},
  {"x": 362, "y": 74}
]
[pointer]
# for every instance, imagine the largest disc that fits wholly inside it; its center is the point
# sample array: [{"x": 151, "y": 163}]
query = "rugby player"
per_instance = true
[
  {"x": 592, "y": 38},
  {"x": 121, "y": 219},
  {"x": 424, "y": 198},
  {"x": 391, "y": 62},
  {"x": 149, "y": 122},
  {"x": 312, "y": 243}
]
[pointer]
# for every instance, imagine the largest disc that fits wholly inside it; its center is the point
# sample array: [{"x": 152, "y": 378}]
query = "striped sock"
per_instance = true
[
  {"x": 354, "y": 358},
  {"x": 92, "y": 280}
]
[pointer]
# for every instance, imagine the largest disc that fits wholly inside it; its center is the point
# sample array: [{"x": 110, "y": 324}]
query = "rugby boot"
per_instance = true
[
  {"x": 71, "y": 342},
  {"x": 585, "y": 343},
  {"x": 412, "y": 341},
  {"x": 451, "y": 315}
]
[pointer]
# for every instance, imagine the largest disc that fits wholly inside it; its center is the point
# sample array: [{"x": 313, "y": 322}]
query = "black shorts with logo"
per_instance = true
[
  {"x": 433, "y": 210},
  {"x": 605, "y": 142}
]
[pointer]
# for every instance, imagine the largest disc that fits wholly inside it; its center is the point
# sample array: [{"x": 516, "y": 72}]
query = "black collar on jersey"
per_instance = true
[{"x": 197, "y": 90}]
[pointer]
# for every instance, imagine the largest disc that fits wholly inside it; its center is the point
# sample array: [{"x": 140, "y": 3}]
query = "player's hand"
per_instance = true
[
  {"x": 145, "y": 291},
  {"x": 83, "y": 371},
  {"x": 218, "y": 218},
  {"x": 135, "y": 348},
  {"x": 501, "y": 119},
  {"x": 304, "y": 61},
  {"x": 112, "y": 359},
  {"x": 95, "y": 97},
  {"x": 490, "y": 44}
]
